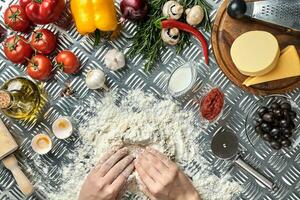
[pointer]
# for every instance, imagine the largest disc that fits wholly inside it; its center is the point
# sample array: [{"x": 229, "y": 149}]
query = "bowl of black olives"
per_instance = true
[{"x": 272, "y": 122}]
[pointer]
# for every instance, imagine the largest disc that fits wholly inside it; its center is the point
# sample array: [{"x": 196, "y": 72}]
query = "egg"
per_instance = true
[
  {"x": 62, "y": 128},
  {"x": 41, "y": 144}
]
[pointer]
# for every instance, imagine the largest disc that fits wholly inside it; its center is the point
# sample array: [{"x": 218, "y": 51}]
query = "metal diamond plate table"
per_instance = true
[{"x": 282, "y": 167}]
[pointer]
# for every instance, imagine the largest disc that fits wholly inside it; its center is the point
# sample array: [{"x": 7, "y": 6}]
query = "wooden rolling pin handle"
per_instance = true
[{"x": 24, "y": 184}]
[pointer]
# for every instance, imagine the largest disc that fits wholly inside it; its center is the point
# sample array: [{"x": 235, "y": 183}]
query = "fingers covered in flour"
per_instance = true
[
  {"x": 160, "y": 156},
  {"x": 156, "y": 162},
  {"x": 145, "y": 178},
  {"x": 121, "y": 180},
  {"x": 110, "y": 162},
  {"x": 106, "y": 156},
  {"x": 149, "y": 167},
  {"x": 118, "y": 168}
]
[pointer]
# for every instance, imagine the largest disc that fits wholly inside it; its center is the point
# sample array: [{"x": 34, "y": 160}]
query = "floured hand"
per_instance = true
[
  {"x": 108, "y": 179},
  {"x": 162, "y": 179}
]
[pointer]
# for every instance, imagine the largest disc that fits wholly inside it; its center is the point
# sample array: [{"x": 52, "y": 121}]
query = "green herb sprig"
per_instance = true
[{"x": 147, "y": 41}]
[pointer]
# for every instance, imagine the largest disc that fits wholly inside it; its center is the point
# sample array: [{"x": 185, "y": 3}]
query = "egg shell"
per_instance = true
[
  {"x": 41, "y": 144},
  {"x": 62, "y": 132}
]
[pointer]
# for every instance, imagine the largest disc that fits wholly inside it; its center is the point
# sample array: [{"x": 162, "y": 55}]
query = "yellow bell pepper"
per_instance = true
[{"x": 90, "y": 15}]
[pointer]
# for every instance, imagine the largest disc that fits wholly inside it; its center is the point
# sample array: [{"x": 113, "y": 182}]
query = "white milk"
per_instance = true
[{"x": 181, "y": 79}]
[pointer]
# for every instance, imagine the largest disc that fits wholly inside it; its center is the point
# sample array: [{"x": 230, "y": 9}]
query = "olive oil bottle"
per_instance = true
[{"x": 20, "y": 98}]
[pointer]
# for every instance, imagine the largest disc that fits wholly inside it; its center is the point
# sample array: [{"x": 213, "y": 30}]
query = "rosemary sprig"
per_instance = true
[{"x": 147, "y": 41}]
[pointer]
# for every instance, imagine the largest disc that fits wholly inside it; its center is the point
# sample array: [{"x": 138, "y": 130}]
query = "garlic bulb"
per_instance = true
[
  {"x": 95, "y": 79},
  {"x": 172, "y": 9},
  {"x": 170, "y": 36},
  {"x": 114, "y": 59},
  {"x": 194, "y": 15}
]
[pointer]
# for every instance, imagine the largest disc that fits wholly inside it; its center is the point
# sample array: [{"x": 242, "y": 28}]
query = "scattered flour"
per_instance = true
[{"x": 137, "y": 121}]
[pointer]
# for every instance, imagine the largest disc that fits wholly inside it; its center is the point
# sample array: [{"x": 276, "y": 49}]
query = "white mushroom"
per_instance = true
[
  {"x": 95, "y": 79},
  {"x": 194, "y": 15},
  {"x": 114, "y": 59},
  {"x": 172, "y": 9},
  {"x": 170, "y": 36}
]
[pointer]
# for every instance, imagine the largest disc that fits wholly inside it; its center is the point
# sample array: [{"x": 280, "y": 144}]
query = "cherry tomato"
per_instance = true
[
  {"x": 68, "y": 62},
  {"x": 43, "y": 41},
  {"x": 16, "y": 49},
  {"x": 15, "y": 17},
  {"x": 39, "y": 67}
]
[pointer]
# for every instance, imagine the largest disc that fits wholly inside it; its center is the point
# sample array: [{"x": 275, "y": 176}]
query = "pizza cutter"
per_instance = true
[{"x": 225, "y": 145}]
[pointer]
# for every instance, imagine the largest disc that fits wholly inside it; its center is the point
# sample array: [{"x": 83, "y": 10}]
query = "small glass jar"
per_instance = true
[{"x": 183, "y": 80}]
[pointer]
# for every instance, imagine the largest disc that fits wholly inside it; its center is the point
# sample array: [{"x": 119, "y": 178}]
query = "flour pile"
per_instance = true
[{"x": 140, "y": 120}]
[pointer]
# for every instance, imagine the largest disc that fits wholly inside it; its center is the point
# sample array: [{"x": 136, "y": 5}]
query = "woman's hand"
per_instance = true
[
  {"x": 162, "y": 179},
  {"x": 107, "y": 180}
]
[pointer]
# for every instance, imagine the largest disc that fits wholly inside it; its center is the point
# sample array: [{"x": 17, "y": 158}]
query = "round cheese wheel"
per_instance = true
[{"x": 255, "y": 53}]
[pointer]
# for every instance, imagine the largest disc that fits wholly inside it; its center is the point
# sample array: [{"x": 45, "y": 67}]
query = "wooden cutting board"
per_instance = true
[
  {"x": 226, "y": 30},
  {"x": 7, "y": 147},
  {"x": 7, "y": 142}
]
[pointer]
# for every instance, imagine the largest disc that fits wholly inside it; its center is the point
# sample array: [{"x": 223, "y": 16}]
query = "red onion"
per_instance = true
[{"x": 133, "y": 9}]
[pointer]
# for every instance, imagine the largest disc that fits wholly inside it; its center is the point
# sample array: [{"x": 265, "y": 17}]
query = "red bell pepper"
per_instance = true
[
  {"x": 43, "y": 11},
  {"x": 170, "y": 23}
]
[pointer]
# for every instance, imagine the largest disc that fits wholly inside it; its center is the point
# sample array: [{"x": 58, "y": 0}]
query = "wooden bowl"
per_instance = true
[{"x": 226, "y": 30}]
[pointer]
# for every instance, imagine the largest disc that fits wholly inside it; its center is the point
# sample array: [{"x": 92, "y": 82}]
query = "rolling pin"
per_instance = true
[{"x": 7, "y": 146}]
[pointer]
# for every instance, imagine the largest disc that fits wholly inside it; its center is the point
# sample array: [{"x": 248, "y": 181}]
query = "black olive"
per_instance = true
[
  {"x": 259, "y": 130},
  {"x": 275, "y": 145},
  {"x": 292, "y": 125},
  {"x": 275, "y": 123},
  {"x": 286, "y": 142},
  {"x": 287, "y": 133},
  {"x": 293, "y": 115},
  {"x": 285, "y": 112},
  {"x": 262, "y": 110},
  {"x": 257, "y": 120},
  {"x": 284, "y": 123},
  {"x": 267, "y": 137},
  {"x": 275, "y": 132},
  {"x": 275, "y": 106},
  {"x": 265, "y": 127},
  {"x": 268, "y": 117},
  {"x": 286, "y": 106},
  {"x": 278, "y": 139},
  {"x": 277, "y": 113}
]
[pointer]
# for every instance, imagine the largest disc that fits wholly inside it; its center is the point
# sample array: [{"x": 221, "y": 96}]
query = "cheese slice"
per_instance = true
[
  {"x": 255, "y": 53},
  {"x": 288, "y": 66}
]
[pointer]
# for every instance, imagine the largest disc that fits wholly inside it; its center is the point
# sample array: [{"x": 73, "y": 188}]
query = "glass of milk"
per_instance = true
[{"x": 182, "y": 80}]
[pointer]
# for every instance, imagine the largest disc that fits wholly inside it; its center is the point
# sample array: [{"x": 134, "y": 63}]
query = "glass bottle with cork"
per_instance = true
[{"x": 20, "y": 98}]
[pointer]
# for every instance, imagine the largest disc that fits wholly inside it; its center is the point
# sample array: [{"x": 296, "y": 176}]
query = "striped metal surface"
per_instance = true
[{"x": 283, "y": 167}]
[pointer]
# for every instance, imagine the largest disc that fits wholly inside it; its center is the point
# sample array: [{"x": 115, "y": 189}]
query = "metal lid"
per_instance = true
[{"x": 5, "y": 99}]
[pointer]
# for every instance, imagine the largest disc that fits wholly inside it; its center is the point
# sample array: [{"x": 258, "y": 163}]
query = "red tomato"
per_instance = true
[
  {"x": 15, "y": 17},
  {"x": 16, "y": 49},
  {"x": 43, "y": 41},
  {"x": 68, "y": 61},
  {"x": 39, "y": 67}
]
